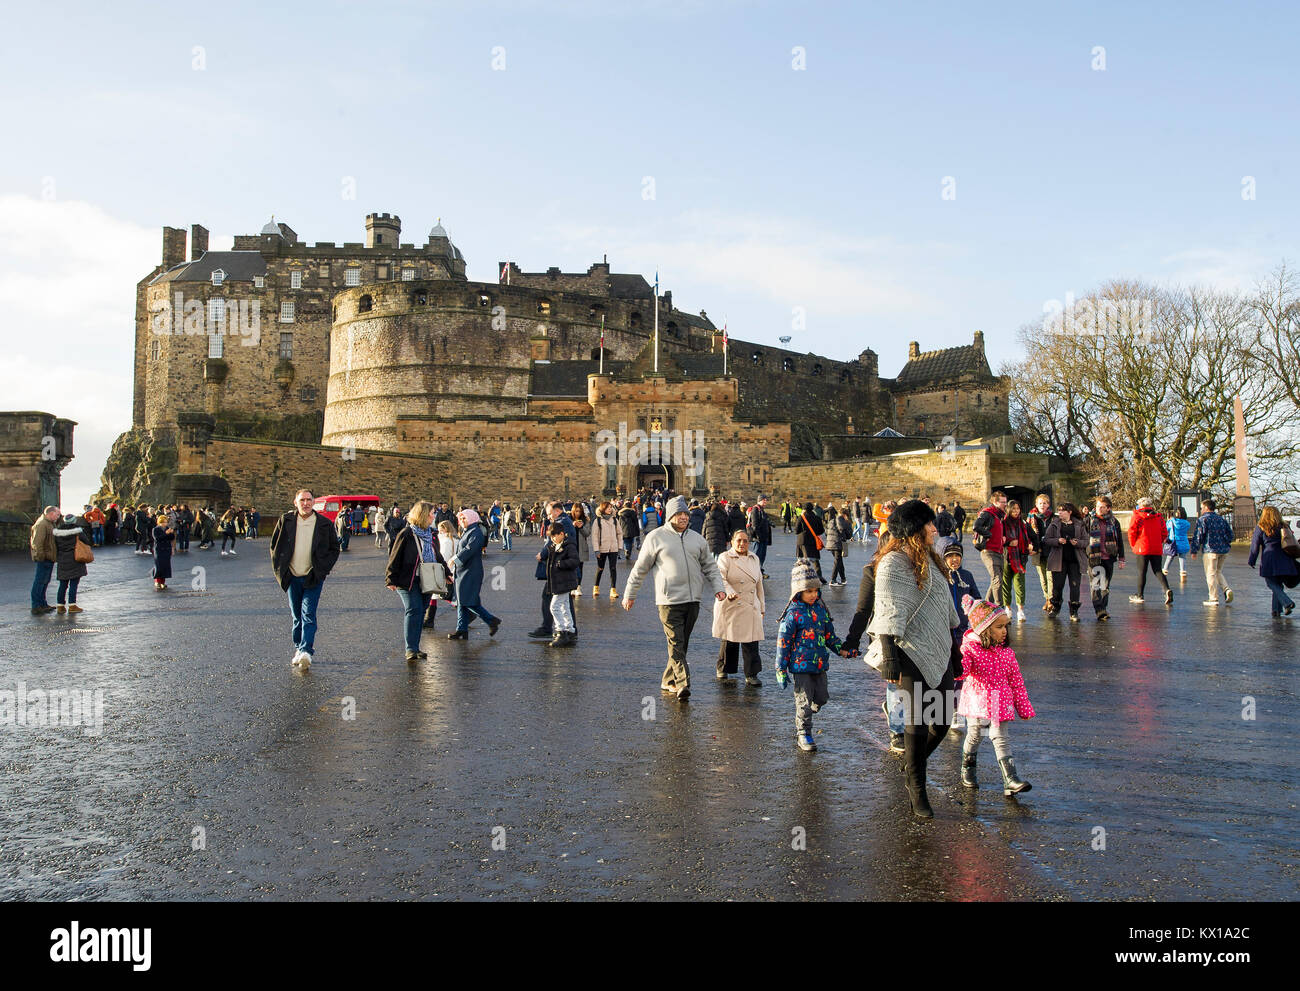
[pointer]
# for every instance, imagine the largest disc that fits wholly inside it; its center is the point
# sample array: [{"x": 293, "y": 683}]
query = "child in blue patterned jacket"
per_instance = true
[{"x": 803, "y": 646}]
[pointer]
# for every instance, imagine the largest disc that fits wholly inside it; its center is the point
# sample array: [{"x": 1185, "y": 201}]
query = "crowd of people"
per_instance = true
[{"x": 942, "y": 648}]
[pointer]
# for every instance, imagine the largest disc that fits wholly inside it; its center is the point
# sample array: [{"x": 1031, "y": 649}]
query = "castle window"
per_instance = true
[
  {"x": 756, "y": 357},
  {"x": 155, "y": 350},
  {"x": 845, "y": 376},
  {"x": 217, "y": 315},
  {"x": 286, "y": 311},
  {"x": 259, "y": 282},
  {"x": 286, "y": 345},
  {"x": 307, "y": 394},
  {"x": 672, "y": 329},
  {"x": 544, "y": 307},
  {"x": 595, "y": 354},
  {"x": 979, "y": 399},
  {"x": 379, "y": 239},
  {"x": 420, "y": 298},
  {"x": 787, "y": 364},
  {"x": 817, "y": 369},
  {"x": 325, "y": 272},
  {"x": 216, "y": 346},
  {"x": 352, "y": 277},
  {"x": 218, "y": 276},
  {"x": 484, "y": 299},
  {"x": 381, "y": 273},
  {"x": 635, "y": 320},
  {"x": 408, "y": 275},
  {"x": 366, "y": 304},
  {"x": 295, "y": 280}
]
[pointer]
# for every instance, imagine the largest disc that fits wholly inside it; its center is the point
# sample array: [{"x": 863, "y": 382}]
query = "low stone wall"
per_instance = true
[{"x": 945, "y": 477}]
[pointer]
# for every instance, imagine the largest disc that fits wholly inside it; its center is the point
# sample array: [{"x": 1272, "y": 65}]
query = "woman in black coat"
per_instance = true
[
  {"x": 71, "y": 571},
  {"x": 1065, "y": 545},
  {"x": 413, "y": 542},
  {"x": 715, "y": 529},
  {"x": 163, "y": 534},
  {"x": 807, "y": 528},
  {"x": 1276, "y": 567}
]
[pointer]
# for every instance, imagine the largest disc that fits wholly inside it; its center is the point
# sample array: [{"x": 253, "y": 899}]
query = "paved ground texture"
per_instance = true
[{"x": 499, "y": 769}]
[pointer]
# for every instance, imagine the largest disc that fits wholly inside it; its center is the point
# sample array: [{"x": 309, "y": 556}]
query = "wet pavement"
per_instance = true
[{"x": 500, "y": 769}]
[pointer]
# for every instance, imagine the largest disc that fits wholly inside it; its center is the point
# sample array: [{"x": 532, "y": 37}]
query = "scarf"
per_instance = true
[
  {"x": 425, "y": 536},
  {"x": 470, "y": 517}
]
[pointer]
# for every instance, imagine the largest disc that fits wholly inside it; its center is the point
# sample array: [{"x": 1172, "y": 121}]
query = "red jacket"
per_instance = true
[{"x": 1146, "y": 532}]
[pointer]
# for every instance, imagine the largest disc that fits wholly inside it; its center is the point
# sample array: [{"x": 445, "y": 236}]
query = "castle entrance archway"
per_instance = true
[{"x": 654, "y": 477}]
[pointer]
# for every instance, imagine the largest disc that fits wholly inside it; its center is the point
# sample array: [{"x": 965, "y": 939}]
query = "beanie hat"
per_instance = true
[
  {"x": 950, "y": 545},
  {"x": 803, "y": 576},
  {"x": 981, "y": 612},
  {"x": 909, "y": 518},
  {"x": 677, "y": 504}
]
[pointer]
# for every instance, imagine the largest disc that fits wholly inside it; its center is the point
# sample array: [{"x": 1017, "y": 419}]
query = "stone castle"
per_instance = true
[{"x": 377, "y": 366}]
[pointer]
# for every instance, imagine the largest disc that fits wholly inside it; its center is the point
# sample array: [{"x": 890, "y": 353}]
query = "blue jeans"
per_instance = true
[
  {"x": 627, "y": 546},
  {"x": 44, "y": 569},
  {"x": 760, "y": 551},
  {"x": 97, "y": 534},
  {"x": 67, "y": 591},
  {"x": 302, "y": 605},
  {"x": 506, "y": 539},
  {"x": 893, "y": 708},
  {"x": 415, "y": 602},
  {"x": 1280, "y": 599}
]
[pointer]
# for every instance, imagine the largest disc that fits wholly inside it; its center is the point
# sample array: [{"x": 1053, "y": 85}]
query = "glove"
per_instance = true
[{"x": 782, "y": 678}]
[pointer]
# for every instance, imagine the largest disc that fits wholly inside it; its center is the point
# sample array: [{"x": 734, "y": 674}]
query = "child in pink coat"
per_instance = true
[{"x": 993, "y": 691}]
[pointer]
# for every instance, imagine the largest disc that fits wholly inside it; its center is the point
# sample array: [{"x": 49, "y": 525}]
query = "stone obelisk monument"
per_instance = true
[{"x": 1243, "y": 506}]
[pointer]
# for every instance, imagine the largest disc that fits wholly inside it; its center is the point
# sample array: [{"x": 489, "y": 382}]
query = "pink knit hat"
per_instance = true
[{"x": 981, "y": 612}]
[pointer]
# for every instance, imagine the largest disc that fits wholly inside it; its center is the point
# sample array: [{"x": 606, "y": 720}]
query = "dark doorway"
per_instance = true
[
  {"x": 654, "y": 477},
  {"x": 1020, "y": 494}
]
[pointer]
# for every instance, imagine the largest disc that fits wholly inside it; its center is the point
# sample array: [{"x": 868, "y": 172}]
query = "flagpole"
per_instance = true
[
  {"x": 724, "y": 347},
  {"x": 656, "y": 323},
  {"x": 602, "y": 344}
]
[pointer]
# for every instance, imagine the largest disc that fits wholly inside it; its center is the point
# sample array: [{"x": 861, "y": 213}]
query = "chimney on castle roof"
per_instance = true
[
  {"x": 979, "y": 341},
  {"x": 173, "y": 252},
  {"x": 913, "y": 350},
  {"x": 198, "y": 241}
]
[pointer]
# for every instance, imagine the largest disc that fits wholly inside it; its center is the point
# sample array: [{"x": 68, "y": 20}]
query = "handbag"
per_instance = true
[
  {"x": 82, "y": 553},
  {"x": 1289, "y": 546},
  {"x": 433, "y": 576},
  {"x": 875, "y": 655},
  {"x": 821, "y": 544}
]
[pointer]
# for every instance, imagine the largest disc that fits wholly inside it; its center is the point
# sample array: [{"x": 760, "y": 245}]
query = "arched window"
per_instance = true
[
  {"x": 817, "y": 369},
  {"x": 366, "y": 304},
  {"x": 420, "y": 298},
  {"x": 484, "y": 299},
  {"x": 756, "y": 357},
  {"x": 787, "y": 364},
  {"x": 595, "y": 354},
  {"x": 635, "y": 320},
  {"x": 845, "y": 376},
  {"x": 544, "y": 307},
  {"x": 672, "y": 328}
]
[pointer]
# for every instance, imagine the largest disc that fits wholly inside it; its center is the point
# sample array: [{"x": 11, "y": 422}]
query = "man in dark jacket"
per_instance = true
[
  {"x": 304, "y": 550},
  {"x": 944, "y": 522},
  {"x": 697, "y": 518},
  {"x": 45, "y": 554},
  {"x": 988, "y": 541},
  {"x": 629, "y": 528},
  {"x": 1038, "y": 520},
  {"x": 959, "y": 517},
  {"x": 759, "y": 528},
  {"x": 715, "y": 529},
  {"x": 735, "y": 519}
]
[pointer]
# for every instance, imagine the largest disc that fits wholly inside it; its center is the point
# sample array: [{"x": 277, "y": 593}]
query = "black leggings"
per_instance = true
[
  {"x": 837, "y": 572},
  {"x": 1152, "y": 561},
  {"x": 225, "y": 537},
  {"x": 607, "y": 558},
  {"x": 1069, "y": 571},
  {"x": 920, "y": 738}
]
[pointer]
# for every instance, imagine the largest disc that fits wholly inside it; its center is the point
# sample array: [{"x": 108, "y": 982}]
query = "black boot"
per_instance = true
[
  {"x": 1011, "y": 784},
  {"x": 968, "y": 769},
  {"x": 914, "y": 772}
]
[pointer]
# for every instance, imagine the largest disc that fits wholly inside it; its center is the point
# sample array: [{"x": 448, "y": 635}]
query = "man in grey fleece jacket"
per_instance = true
[{"x": 683, "y": 565}]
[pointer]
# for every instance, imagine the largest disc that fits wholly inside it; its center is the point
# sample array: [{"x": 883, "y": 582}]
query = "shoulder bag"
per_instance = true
[
  {"x": 433, "y": 576},
  {"x": 84, "y": 555},
  {"x": 1289, "y": 546}
]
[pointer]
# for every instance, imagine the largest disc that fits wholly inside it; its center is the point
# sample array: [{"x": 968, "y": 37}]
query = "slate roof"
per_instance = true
[
  {"x": 943, "y": 365},
  {"x": 629, "y": 287},
  {"x": 239, "y": 266},
  {"x": 567, "y": 379}
]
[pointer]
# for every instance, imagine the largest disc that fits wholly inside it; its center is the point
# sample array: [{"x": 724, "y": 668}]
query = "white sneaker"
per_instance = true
[
  {"x": 233, "y": 554},
  {"x": 224, "y": 553},
  {"x": 1021, "y": 617},
  {"x": 1210, "y": 602},
  {"x": 302, "y": 660},
  {"x": 1227, "y": 595},
  {"x": 297, "y": 656}
]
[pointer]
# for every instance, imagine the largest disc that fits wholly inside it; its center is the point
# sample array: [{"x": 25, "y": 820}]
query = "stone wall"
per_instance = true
[
  {"x": 35, "y": 447},
  {"x": 953, "y": 476}
]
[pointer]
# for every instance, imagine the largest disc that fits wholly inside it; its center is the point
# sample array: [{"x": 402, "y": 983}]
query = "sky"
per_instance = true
[{"x": 892, "y": 172}]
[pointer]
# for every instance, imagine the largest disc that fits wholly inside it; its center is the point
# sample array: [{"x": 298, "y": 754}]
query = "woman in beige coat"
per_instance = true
[{"x": 738, "y": 619}]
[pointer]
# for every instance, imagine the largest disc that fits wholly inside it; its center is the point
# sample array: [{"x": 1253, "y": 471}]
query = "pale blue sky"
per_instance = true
[{"x": 774, "y": 188}]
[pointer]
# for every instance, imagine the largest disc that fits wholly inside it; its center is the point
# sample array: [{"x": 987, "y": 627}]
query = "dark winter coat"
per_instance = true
[
  {"x": 561, "y": 566},
  {"x": 404, "y": 559},
  {"x": 838, "y": 532},
  {"x": 324, "y": 549},
  {"x": 1274, "y": 562},
  {"x": 66, "y": 533},
  {"x": 759, "y": 525},
  {"x": 1056, "y": 551},
  {"x": 697, "y": 520},
  {"x": 716, "y": 534},
  {"x": 805, "y": 544},
  {"x": 629, "y": 528},
  {"x": 735, "y": 520},
  {"x": 162, "y": 553}
]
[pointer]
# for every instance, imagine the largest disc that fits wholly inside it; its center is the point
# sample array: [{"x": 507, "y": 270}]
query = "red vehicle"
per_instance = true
[{"x": 329, "y": 506}]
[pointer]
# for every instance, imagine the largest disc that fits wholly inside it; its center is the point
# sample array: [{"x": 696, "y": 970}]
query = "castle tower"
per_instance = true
[{"x": 383, "y": 231}]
